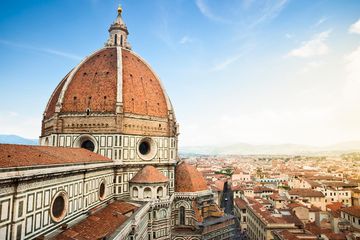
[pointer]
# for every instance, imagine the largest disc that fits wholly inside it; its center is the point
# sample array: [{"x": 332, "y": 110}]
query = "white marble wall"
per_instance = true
[
  {"x": 118, "y": 147},
  {"x": 27, "y": 204}
]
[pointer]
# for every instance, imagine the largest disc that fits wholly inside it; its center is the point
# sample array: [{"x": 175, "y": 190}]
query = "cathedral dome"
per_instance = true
[
  {"x": 112, "y": 91},
  {"x": 189, "y": 179},
  {"x": 111, "y": 80}
]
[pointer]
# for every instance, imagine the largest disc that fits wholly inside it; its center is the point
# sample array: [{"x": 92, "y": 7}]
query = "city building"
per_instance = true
[{"x": 307, "y": 196}]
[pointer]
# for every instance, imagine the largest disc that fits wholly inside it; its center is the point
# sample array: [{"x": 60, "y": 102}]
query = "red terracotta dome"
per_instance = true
[
  {"x": 189, "y": 179},
  {"x": 111, "y": 77},
  {"x": 149, "y": 174}
]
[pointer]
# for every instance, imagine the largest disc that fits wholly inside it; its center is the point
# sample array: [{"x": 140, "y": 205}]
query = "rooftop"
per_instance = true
[
  {"x": 149, "y": 174},
  {"x": 189, "y": 179},
  {"x": 353, "y": 211},
  {"x": 12, "y": 155},
  {"x": 302, "y": 192},
  {"x": 100, "y": 224}
]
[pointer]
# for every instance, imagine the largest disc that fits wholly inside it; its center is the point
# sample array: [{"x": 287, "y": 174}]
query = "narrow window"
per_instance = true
[
  {"x": 115, "y": 39},
  {"x": 182, "y": 215}
]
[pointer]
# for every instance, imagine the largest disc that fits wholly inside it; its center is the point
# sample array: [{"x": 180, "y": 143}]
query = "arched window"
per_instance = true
[
  {"x": 121, "y": 40},
  {"x": 182, "y": 215},
  {"x": 147, "y": 192},
  {"x": 88, "y": 144},
  {"x": 135, "y": 192},
  {"x": 115, "y": 39},
  {"x": 160, "y": 192},
  {"x": 162, "y": 213}
]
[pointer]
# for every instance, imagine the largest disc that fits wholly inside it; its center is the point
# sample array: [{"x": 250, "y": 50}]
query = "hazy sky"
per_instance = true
[{"x": 272, "y": 71}]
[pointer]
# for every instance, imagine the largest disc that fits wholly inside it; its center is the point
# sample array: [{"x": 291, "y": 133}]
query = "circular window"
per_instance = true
[
  {"x": 144, "y": 147},
  {"x": 102, "y": 190},
  {"x": 147, "y": 148},
  {"x": 59, "y": 207},
  {"x": 88, "y": 144}
]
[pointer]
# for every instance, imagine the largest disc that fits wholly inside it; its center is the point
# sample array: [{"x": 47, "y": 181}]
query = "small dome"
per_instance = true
[
  {"x": 189, "y": 179},
  {"x": 149, "y": 174}
]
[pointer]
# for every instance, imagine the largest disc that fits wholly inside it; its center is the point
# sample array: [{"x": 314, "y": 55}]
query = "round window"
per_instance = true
[
  {"x": 59, "y": 207},
  {"x": 146, "y": 148},
  {"x": 102, "y": 190},
  {"x": 88, "y": 144}
]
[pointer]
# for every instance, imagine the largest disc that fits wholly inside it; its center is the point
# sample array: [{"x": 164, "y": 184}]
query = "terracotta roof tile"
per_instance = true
[
  {"x": 287, "y": 235},
  {"x": 353, "y": 211},
  {"x": 189, "y": 179},
  {"x": 12, "y": 155},
  {"x": 335, "y": 206},
  {"x": 262, "y": 189},
  {"x": 94, "y": 86},
  {"x": 302, "y": 192},
  {"x": 99, "y": 225},
  {"x": 142, "y": 92},
  {"x": 240, "y": 203},
  {"x": 315, "y": 229},
  {"x": 336, "y": 236},
  {"x": 276, "y": 197},
  {"x": 149, "y": 174}
]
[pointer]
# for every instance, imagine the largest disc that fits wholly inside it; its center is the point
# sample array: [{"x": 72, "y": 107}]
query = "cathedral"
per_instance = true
[{"x": 107, "y": 166}]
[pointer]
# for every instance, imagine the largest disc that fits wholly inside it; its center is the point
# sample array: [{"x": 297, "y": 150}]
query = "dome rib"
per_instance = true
[
  {"x": 167, "y": 99},
  {"x": 94, "y": 84},
  {"x": 51, "y": 105}
]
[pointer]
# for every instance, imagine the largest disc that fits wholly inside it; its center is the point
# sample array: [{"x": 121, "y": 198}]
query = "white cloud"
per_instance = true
[
  {"x": 18, "y": 124},
  {"x": 263, "y": 126},
  {"x": 355, "y": 27},
  {"x": 186, "y": 40},
  {"x": 247, "y": 3},
  {"x": 320, "y": 21},
  {"x": 245, "y": 49},
  {"x": 289, "y": 36},
  {"x": 271, "y": 10},
  {"x": 312, "y": 65},
  {"x": 207, "y": 12},
  {"x": 224, "y": 64},
  {"x": 316, "y": 46},
  {"x": 250, "y": 13},
  {"x": 43, "y": 50},
  {"x": 351, "y": 89}
]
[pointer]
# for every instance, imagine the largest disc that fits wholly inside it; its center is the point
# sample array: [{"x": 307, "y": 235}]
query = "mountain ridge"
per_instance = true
[
  {"x": 272, "y": 149},
  {"x": 15, "y": 139}
]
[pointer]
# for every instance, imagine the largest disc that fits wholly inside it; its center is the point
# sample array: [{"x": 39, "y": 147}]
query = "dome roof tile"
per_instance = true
[
  {"x": 93, "y": 85},
  {"x": 149, "y": 174},
  {"x": 189, "y": 179}
]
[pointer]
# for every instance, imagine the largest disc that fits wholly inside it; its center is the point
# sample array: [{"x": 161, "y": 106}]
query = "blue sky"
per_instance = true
[{"x": 264, "y": 71}]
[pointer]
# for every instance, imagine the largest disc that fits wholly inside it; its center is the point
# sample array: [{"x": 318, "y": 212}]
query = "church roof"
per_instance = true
[
  {"x": 188, "y": 179},
  {"x": 12, "y": 155},
  {"x": 149, "y": 174},
  {"x": 94, "y": 85},
  {"x": 101, "y": 224}
]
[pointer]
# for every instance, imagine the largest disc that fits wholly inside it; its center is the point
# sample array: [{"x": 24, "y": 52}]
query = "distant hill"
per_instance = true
[
  {"x": 279, "y": 149},
  {"x": 14, "y": 139}
]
